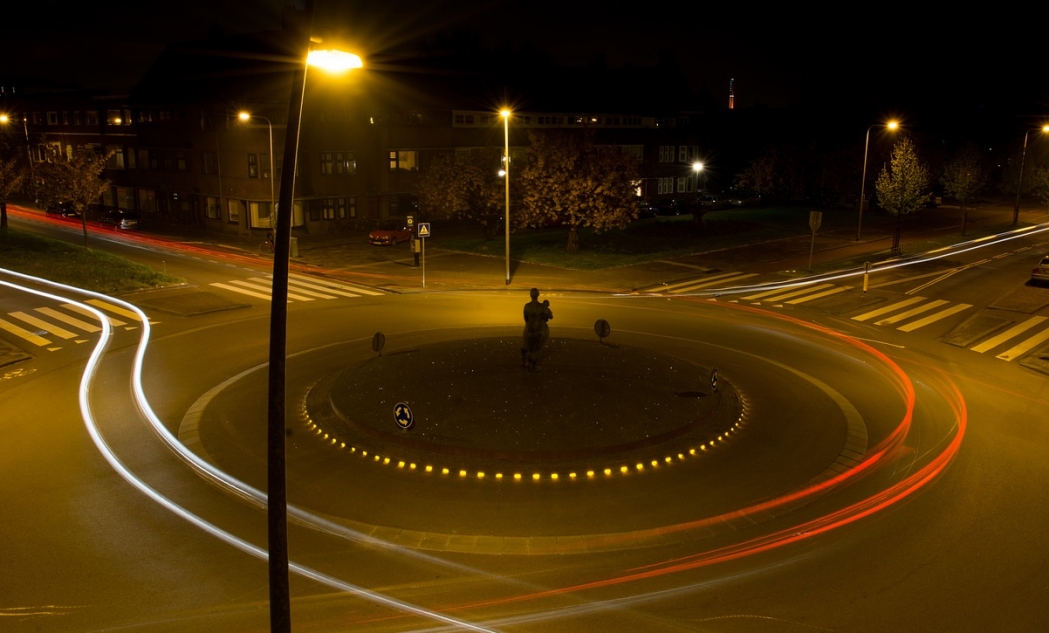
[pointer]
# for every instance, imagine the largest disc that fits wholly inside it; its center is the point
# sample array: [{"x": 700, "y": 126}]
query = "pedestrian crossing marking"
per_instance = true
[
  {"x": 1025, "y": 346},
  {"x": 887, "y": 309},
  {"x": 1008, "y": 334},
  {"x": 300, "y": 288},
  {"x": 331, "y": 284},
  {"x": 896, "y": 318},
  {"x": 819, "y": 295},
  {"x": 44, "y": 325},
  {"x": 704, "y": 282},
  {"x": 243, "y": 291},
  {"x": 88, "y": 313},
  {"x": 932, "y": 318},
  {"x": 267, "y": 287},
  {"x": 794, "y": 293},
  {"x": 98, "y": 303},
  {"x": 68, "y": 320},
  {"x": 23, "y": 333}
]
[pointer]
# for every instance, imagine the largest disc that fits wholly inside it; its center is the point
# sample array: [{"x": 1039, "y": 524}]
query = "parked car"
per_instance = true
[
  {"x": 120, "y": 219},
  {"x": 63, "y": 210},
  {"x": 389, "y": 233},
  {"x": 1040, "y": 274}
]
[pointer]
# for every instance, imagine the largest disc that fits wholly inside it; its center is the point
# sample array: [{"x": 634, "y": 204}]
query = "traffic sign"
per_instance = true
[
  {"x": 424, "y": 229},
  {"x": 402, "y": 415},
  {"x": 714, "y": 380}
]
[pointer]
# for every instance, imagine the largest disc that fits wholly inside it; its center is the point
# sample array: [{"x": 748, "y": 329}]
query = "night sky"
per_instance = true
[{"x": 963, "y": 73}]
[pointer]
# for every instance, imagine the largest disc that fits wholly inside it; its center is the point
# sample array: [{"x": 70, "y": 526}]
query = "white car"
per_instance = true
[{"x": 1040, "y": 274}]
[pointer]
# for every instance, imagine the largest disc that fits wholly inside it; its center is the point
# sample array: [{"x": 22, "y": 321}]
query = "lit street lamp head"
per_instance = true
[
  {"x": 697, "y": 167},
  {"x": 334, "y": 61}
]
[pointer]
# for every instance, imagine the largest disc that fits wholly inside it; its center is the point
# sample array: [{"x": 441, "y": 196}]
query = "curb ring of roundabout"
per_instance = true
[{"x": 610, "y": 445}]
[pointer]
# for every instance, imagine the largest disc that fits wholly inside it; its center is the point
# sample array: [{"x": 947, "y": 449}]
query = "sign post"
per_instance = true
[
  {"x": 815, "y": 219},
  {"x": 424, "y": 232}
]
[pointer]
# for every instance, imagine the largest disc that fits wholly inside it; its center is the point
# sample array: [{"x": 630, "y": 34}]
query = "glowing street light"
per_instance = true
[
  {"x": 505, "y": 113},
  {"x": 891, "y": 126},
  {"x": 246, "y": 116},
  {"x": 277, "y": 491},
  {"x": 1020, "y": 180}
]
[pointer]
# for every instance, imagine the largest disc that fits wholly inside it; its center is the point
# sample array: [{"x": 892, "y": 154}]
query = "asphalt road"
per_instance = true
[{"x": 943, "y": 531}]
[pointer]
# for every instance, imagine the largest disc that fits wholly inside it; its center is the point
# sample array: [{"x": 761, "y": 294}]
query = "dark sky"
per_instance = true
[{"x": 947, "y": 70}]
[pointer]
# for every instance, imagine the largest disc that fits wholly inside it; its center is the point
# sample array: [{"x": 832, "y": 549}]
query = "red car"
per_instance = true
[{"x": 390, "y": 232}]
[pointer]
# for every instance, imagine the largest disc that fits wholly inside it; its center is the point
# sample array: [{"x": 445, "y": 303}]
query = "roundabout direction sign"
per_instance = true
[
  {"x": 713, "y": 380},
  {"x": 403, "y": 416}
]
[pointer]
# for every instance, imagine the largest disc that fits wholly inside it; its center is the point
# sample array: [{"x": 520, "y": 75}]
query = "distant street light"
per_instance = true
[
  {"x": 1020, "y": 180},
  {"x": 245, "y": 116},
  {"x": 506, "y": 181},
  {"x": 696, "y": 168},
  {"x": 891, "y": 126},
  {"x": 277, "y": 492},
  {"x": 4, "y": 120}
]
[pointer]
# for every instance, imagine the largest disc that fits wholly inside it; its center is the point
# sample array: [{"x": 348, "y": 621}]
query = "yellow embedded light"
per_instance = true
[
  {"x": 411, "y": 466},
  {"x": 608, "y": 472},
  {"x": 536, "y": 476},
  {"x": 498, "y": 475},
  {"x": 553, "y": 476},
  {"x": 624, "y": 469},
  {"x": 640, "y": 466},
  {"x": 655, "y": 463},
  {"x": 386, "y": 461},
  {"x": 571, "y": 475},
  {"x": 589, "y": 473},
  {"x": 480, "y": 475},
  {"x": 444, "y": 471},
  {"x": 668, "y": 460},
  {"x": 691, "y": 451},
  {"x": 400, "y": 464},
  {"x": 334, "y": 61},
  {"x": 364, "y": 453},
  {"x": 342, "y": 445},
  {"x": 376, "y": 458},
  {"x": 429, "y": 468},
  {"x": 462, "y": 473},
  {"x": 517, "y": 476}
]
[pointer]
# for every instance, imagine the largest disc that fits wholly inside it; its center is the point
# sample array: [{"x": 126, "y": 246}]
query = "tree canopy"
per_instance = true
[
  {"x": 76, "y": 180},
  {"x": 572, "y": 181},
  {"x": 11, "y": 177},
  {"x": 964, "y": 175},
  {"x": 902, "y": 184},
  {"x": 465, "y": 186}
]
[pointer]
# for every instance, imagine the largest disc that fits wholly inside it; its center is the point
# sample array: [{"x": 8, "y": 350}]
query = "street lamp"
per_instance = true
[
  {"x": 1020, "y": 180},
  {"x": 277, "y": 492},
  {"x": 245, "y": 116},
  {"x": 5, "y": 119},
  {"x": 696, "y": 168},
  {"x": 891, "y": 126},
  {"x": 505, "y": 113}
]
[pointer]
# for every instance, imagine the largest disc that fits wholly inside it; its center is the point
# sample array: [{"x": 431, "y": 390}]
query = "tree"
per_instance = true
[
  {"x": 964, "y": 176},
  {"x": 76, "y": 180},
  {"x": 901, "y": 185},
  {"x": 570, "y": 180},
  {"x": 11, "y": 177},
  {"x": 466, "y": 186},
  {"x": 1040, "y": 184}
]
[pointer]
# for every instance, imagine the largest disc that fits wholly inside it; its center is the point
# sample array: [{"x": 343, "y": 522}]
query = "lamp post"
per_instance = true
[
  {"x": 891, "y": 126},
  {"x": 5, "y": 119},
  {"x": 506, "y": 181},
  {"x": 1020, "y": 180},
  {"x": 246, "y": 116},
  {"x": 696, "y": 168},
  {"x": 277, "y": 493}
]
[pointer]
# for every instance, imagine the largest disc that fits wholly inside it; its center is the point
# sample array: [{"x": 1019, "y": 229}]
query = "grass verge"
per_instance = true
[{"x": 76, "y": 265}]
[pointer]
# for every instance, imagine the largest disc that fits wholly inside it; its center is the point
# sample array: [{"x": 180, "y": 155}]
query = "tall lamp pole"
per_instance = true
[
  {"x": 891, "y": 125},
  {"x": 246, "y": 116},
  {"x": 277, "y": 493},
  {"x": 1020, "y": 180},
  {"x": 506, "y": 181}
]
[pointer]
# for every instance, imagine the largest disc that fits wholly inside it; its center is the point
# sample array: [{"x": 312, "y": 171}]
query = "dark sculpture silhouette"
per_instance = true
[{"x": 536, "y": 331}]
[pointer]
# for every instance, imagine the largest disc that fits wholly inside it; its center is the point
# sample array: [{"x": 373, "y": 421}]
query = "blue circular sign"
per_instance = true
[{"x": 403, "y": 416}]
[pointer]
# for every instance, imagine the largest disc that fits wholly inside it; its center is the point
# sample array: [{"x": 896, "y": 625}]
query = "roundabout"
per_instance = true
[{"x": 612, "y": 445}]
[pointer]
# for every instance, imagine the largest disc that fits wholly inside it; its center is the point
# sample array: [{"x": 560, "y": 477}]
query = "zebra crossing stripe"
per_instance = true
[
  {"x": 710, "y": 282},
  {"x": 880, "y": 311},
  {"x": 295, "y": 287},
  {"x": 328, "y": 285},
  {"x": 88, "y": 313},
  {"x": 267, "y": 285},
  {"x": 124, "y": 312},
  {"x": 896, "y": 318},
  {"x": 244, "y": 291},
  {"x": 23, "y": 333},
  {"x": 795, "y": 293},
  {"x": 302, "y": 284},
  {"x": 932, "y": 318},
  {"x": 819, "y": 295},
  {"x": 1008, "y": 334},
  {"x": 50, "y": 328},
  {"x": 68, "y": 320},
  {"x": 1025, "y": 346}
]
